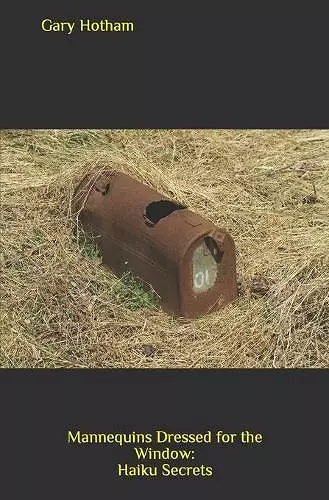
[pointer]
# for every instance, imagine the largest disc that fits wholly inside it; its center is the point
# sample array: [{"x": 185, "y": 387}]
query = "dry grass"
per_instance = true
[{"x": 61, "y": 307}]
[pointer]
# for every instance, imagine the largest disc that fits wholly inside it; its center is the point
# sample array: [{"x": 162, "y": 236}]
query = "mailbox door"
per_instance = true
[{"x": 208, "y": 275}]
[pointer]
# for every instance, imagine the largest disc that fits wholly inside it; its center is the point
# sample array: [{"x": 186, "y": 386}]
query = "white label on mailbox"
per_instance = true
[{"x": 205, "y": 269}]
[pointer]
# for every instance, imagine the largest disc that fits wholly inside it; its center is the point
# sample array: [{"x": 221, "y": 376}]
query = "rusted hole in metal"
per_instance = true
[
  {"x": 104, "y": 189},
  {"x": 157, "y": 210},
  {"x": 213, "y": 248}
]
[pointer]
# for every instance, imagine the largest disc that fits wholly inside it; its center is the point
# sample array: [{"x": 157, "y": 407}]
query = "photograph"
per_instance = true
[{"x": 165, "y": 248}]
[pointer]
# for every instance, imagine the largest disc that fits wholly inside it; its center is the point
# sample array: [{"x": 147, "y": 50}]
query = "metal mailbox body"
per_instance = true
[{"x": 188, "y": 260}]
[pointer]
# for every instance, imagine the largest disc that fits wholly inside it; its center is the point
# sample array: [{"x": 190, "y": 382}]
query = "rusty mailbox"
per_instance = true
[{"x": 188, "y": 260}]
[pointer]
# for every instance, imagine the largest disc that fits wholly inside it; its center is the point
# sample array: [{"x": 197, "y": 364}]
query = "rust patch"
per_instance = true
[{"x": 189, "y": 261}]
